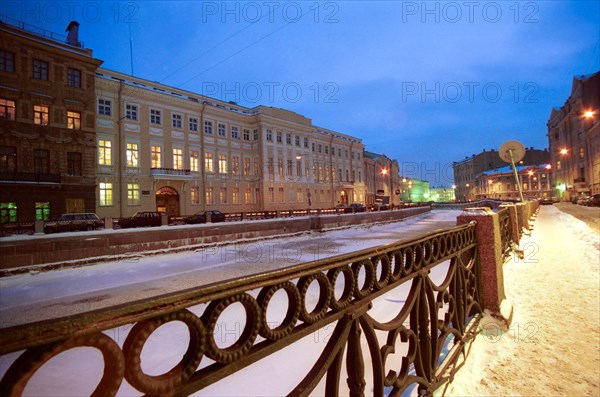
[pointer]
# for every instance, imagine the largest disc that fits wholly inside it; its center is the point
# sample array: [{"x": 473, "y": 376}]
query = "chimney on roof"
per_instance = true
[{"x": 73, "y": 35}]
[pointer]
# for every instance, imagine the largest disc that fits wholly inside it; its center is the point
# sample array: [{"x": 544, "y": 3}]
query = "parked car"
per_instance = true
[
  {"x": 584, "y": 200},
  {"x": 595, "y": 200},
  {"x": 355, "y": 207},
  {"x": 200, "y": 217},
  {"x": 141, "y": 219},
  {"x": 546, "y": 201},
  {"x": 73, "y": 222}
]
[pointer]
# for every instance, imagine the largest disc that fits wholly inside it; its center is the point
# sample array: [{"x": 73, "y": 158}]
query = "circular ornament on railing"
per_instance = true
[
  {"x": 134, "y": 344},
  {"x": 365, "y": 290},
  {"x": 292, "y": 313},
  {"x": 20, "y": 372},
  {"x": 325, "y": 294},
  {"x": 245, "y": 341},
  {"x": 418, "y": 250},
  {"x": 427, "y": 252},
  {"x": 382, "y": 280},
  {"x": 409, "y": 260},
  {"x": 347, "y": 292},
  {"x": 397, "y": 270},
  {"x": 435, "y": 248}
]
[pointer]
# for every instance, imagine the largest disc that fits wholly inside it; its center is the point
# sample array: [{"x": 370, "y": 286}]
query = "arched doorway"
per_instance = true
[
  {"x": 167, "y": 200},
  {"x": 343, "y": 198}
]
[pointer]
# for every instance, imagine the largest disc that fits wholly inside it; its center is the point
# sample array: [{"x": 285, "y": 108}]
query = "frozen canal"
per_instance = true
[{"x": 34, "y": 297}]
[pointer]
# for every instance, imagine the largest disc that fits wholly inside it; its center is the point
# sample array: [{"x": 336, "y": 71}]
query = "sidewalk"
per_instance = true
[{"x": 552, "y": 347}]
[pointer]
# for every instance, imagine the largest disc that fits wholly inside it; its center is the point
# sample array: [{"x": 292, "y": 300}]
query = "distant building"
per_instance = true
[
  {"x": 47, "y": 124},
  {"x": 500, "y": 183},
  {"x": 414, "y": 190},
  {"x": 381, "y": 179},
  {"x": 441, "y": 194},
  {"x": 163, "y": 148},
  {"x": 574, "y": 140},
  {"x": 466, "y": 171}
]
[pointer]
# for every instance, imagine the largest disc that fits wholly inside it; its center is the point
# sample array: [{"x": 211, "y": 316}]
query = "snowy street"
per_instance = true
[
  {"x": 552, "y": 347},
  {"x": 34, "y": 297}
]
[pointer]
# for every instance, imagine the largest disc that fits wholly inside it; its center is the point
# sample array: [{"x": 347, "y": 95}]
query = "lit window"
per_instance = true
[
  {"x": 73, "y": 120},
  {"x": 248, "y": 196},
  {"x": 235, "y": 195},
  {"x": 223, "y": 163},
  {"x": 7, "y": 61},
  {"x": 132, "y": 154},
  {"x": 178, "y": 159},
  {"x": 177, "y": 121},
  {"x": 193, "y": 124},
  {"x": 271, "y": 195},
  {"x": 131, "y": 112},
  {"x": 246, "y": 166},
  {"x": 235, "y": 165},
  {"x": 299, "y": 195},
  {"x": 281, "y": 195},
  {"x": 195, "y": 195},
  {"x": 133, "y": 194},
  {"x": 8, "y": 212},
  {"x": 74, "y": 77},
  {"x": 208, "y": 162},
  {"x": 194, "y": 162},
  {"x": 106, "y": 194},
  {"x": 7, "y": 109},
  {"x": 209, "y": 195},
  {"x": 42, "y": 211},
  {"x": 40, "y": 115},
  {"x": 223, "y": 195},
  {"x": 155, "y": 116},
  {"x": 104, "y": 107},
  {"x": 104, "y": 152},
  {"x": 40, "y": 69},
  {"x": 156, "y": 156}
]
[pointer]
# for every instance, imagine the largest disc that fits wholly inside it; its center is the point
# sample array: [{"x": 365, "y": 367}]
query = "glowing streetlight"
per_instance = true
[
  {"x": 298, "y": 157},
  {"x": 564, "y": 151},
  {"x": 548, "y": 166},
  {"x": 588, "y": 114},
  {"x": 384, "y": 171}
]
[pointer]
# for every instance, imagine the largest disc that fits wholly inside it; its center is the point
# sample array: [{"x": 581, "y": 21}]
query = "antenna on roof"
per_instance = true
[{"x": 130, "y": 49}]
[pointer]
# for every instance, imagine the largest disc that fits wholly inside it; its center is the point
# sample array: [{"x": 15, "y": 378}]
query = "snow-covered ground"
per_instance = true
[{"x": 552, "y": 347}]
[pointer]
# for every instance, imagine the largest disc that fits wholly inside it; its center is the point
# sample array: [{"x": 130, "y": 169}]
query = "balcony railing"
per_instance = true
[
  {"x": 169, "y": 171},
  {"x": 435, "y": 318},
  {"x": 29, "y": 177}
]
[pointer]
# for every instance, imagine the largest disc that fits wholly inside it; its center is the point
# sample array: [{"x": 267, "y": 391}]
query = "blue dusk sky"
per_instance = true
[{"x": 424, "y": 82}]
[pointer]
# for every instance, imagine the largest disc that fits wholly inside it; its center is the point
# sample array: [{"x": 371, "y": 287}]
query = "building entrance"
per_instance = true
[{"x": 167, "y": 200}]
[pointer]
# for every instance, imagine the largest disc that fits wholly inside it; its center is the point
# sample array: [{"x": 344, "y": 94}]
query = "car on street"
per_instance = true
[
  {"x": 201, "y": 217},
  {"x": 74, "y": 222},
  {"x": 583, "y": 200},
  {"x": 595, "y": 200},
  {"x": 546, "y": 201},
  {"x": 355, "y": 207},
  {"x": 142, "y": 219}
]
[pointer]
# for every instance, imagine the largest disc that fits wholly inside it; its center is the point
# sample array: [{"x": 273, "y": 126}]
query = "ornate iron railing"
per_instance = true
[
  {"x": 434, "y": 324},
  {"x": 505, "y": 232}
]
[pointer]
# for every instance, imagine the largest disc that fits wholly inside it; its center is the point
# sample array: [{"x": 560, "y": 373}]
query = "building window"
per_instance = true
[
  {"x": 209, "y": 195},
  {"x": 40, "y": 115},
  {"x": 297, "y": 140},
  {"x": 208, "y": 162},
  {"x": 288, "y": 139},
  {"x": 40, "y": 69},
  {"x": 42, "y": 211},
  {"x": 7, "y": 109},
  {"x": 320, "y": 148},
  {"x": 581, "y": 153},
  {"x": 74, "y": 77},
  {"x": 222, "y": 163},
  {"x": 298, "y": 167},
  {"x": 279, "y": 137},
  {"x": 131, "y": 112},
  {"x": 41, "y": 161},
  {"x": 132, "y": 154},
  {"x": 280, "y": 166},
  {"x": 271, "y": 195},
  {"x": 558, "y": 165},
  {"x": 74, "y": 164},
  {"x": 73, "y": 120},
  {"x": 104, "y": 152},
  {"x": 178, "y": 159},
  {"x": 156, "y": 156},
  {"x": 299, "y": 195},
  {"x": 306, "y": 143},
  {"x": 248, "y": 196},
  {"x": 105, "y": 107},
  {"x": 270, "y": 166},
  {"x": 8, "y": 212},
  {"x": 193, "y": 123},
  {"x": 246, "y": 134},
  {"x": 194, "y": 161},
  {"x": 7, "y": 61},
  {"x": 340, "y": 174},
  {"x": 235, "y": 132},
  {"x": 235, "y": 195},
  {"x": 256, "y": 135},
  {"x": 155, "y": 116},
  {"x": 8, "y": 160},
  {"x": 133, "y": 194},
  {"x": 195, "y": 195},
  {"x": 223, "y": 195},
  {"x": 289, "y": 168},
  {"x": 246, "y": 166},
  {"x": 281, "y": 195},
  {"x": 255, "y": 166},
  {"x": 339, "y": 152},
  {"x": 222, "y": 129},
  {"x": 326, "y": 149},
  {"x": 208, "y": 127},
  {"x": 177, "y": 121},
  {"x": 106, "y": 194},
  {"x": 269, "y": 135},
  {"x": 346, "y": 153},
  {"x": 235, "y": 165}
]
